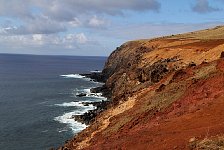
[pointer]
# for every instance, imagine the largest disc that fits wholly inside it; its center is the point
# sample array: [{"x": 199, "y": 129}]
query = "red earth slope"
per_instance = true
[
  {"x": 165, "y": 92},
  {"x": 197, "y": 112}
]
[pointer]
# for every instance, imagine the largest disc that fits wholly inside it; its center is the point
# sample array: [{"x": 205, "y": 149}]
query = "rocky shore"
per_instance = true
[
  {"x": 95, "y": 76},
  {"x": 89, "y": 116}
]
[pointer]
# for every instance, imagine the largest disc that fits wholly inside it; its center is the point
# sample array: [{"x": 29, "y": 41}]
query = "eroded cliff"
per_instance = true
[{"x": 164, "y": 92}]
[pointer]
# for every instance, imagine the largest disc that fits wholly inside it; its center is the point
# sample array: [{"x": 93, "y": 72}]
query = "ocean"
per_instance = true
[{"x": 38, "y": 99}]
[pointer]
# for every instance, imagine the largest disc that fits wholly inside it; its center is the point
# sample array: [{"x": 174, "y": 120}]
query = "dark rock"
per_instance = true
[
  {"x": 158, "y": 72},
  {"x": 96, "y": 90},
  {"x": 104, "y": 90},
  {"x": 178, "y": 75},
  {"x": 161, "y": 87},
  {"x": 89, "y": 116},
  {"x": 222, "y": 55},
  {"x": 153, "y": 73},
  {"x": 96, "y": 76},
  {"x": 85, "y": 104},
  {"x": 81, "y": 94},
  {"x": 192, "y": 64},
  {"x": 143, "y": 49}
]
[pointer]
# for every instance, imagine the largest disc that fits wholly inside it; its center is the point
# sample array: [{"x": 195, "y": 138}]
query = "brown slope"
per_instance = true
[
  {"x": 197, "y": 111},
  {"x": 133, "y": 59},
  {"x": 159, "y": 101}
]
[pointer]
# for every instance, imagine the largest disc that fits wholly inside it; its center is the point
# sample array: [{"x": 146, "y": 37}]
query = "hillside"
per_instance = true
[{"x": 166, "y": 93}]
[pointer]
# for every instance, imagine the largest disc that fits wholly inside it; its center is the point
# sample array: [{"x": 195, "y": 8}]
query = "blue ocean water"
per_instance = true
[{"x": 38, "y": 99}]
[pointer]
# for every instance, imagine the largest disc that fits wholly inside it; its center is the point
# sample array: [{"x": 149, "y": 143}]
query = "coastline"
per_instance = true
[
  {"x": 161, "y": 87},
  {"x": 89, "y": 116},
  {"x": 94, "y": 108},
  {"x": 40, "y": 95}
]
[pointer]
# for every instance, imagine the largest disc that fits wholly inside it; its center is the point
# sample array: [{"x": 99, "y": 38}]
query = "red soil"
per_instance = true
[
  {"x": 198, "y": 113},
  {"x": 186, "y": 103}
]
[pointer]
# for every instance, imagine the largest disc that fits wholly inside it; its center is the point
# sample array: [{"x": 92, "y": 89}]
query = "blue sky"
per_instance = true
[{"x": 97, "y": 27}]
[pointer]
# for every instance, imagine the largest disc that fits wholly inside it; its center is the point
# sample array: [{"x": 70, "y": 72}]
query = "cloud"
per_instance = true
[
  {"x": 92, "y": 26},
  {"x": 43, "y": 40},
  {"x": 75, "y": 22},
  {"x": 64, "y": 44},
  {"x": 38, "y": 39},
  {"x": 100, "y": 43},
  {"x": 96, "y": 22},
  {"x": 54, "y": 16},
  {"x": 15, "y": 8},
  {"x": 202, "y": 6},
  {"x": 70, "y": 8},
  {"x": 37, "y": 25},
  {"x": 79, "y": 38}
]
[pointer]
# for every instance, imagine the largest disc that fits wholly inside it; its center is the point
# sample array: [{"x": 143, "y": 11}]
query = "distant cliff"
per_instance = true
[{"x": 166, "y": 93}]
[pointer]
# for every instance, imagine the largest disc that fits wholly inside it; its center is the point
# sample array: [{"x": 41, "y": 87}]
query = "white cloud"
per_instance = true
[
  {"x": 43, "y": 40},
  {"x": 38, "y": 25},
  {"x": 79, "y": 38},
  {"x": 47, "y": 17},
  {"x": 79, "y": 43},
  {"x": 96, "y": 22},
  {"x": 38, "y": 38},
  {"x": 82, "y": 24},
  {"x": 75, "y": 22},
  {"x": 6, "y": 30}
]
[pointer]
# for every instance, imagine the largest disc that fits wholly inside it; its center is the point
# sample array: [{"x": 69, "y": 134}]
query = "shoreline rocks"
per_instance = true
[
  {"x": 81, "y": 94},
  {"x": 89, "y": 116},
  {"x": 96, "y": 76}
]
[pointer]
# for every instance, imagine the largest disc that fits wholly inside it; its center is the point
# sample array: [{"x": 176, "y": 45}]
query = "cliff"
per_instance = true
[{"x": 166, "y": 93}]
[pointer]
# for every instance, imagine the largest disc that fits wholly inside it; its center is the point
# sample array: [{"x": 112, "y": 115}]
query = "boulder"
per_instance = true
[{"x": 81, "y": 94}]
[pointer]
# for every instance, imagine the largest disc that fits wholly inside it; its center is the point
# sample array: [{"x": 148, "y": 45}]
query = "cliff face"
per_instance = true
[
  {"x": 165, "y": 91},
  {"x": 138, "y": 64}
]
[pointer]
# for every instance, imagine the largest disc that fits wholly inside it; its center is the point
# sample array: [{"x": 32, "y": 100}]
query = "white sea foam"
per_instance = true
[
  {"x": 70, "y": 104},
  {"x": 84, "y": 108},
  {"x": 94, "y": 95},
  {"x": 62, "y": 130},
  {"x": 44, "y": 131},
  {"x": 77, "y": 76},
  {"x": 96, "y": 71},
  {"x": 67, "y": 119}
]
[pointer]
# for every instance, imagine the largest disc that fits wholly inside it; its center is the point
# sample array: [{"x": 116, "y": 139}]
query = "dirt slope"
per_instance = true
[{"x": 165, "y": 92}]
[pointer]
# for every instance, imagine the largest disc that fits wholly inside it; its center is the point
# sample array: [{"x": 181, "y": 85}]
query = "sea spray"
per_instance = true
[{"x": 81, "y": 107}]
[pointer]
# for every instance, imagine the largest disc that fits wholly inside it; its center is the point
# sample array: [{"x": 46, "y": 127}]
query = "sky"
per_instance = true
[{"x": 97, "y": 27}]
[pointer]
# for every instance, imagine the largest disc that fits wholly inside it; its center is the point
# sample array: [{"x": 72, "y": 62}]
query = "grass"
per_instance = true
[
  {"x": 213, "y": 33},
  {"x": 204, "y": 72},
  {"x": 212, "y": 143}
]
